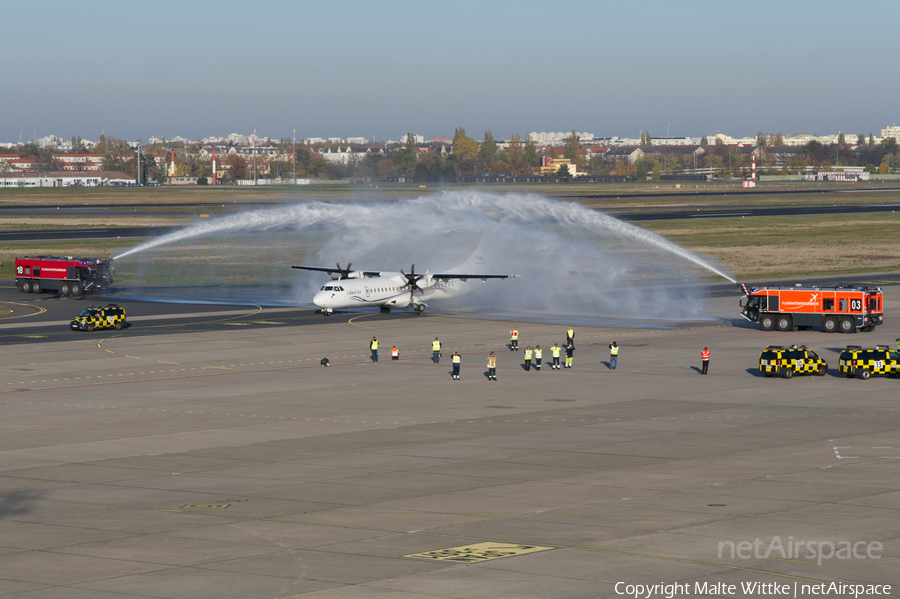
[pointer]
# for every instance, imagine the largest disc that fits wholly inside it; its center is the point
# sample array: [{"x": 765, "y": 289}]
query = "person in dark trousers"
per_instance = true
[
  {"x": 554, "y": 351},
  {"x": 324, "y": 362},
  {"x": 538, "y": 354},
  {"x": 492, "y": 367},
  {"x": 514, "y": 339},
  {"x": 374, "y": 347},
  {"x": 570, "y": 336},
  {"x": 528, "y": 353},
  {"x": 456, "y": 361},
  {"x": 570, "y": 349},
  {"x": 436, "y": 351},
  {"x": 704, "y": 355},
  {"x": 613, "y": 354}
]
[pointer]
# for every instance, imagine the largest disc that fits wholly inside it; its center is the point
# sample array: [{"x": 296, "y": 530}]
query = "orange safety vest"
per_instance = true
[
  {"x": 395, "y": 352},
  {"x": 704, "y": 354}
]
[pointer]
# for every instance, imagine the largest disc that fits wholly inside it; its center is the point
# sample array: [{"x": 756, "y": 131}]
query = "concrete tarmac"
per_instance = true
[{"x": 227, "y": 463}]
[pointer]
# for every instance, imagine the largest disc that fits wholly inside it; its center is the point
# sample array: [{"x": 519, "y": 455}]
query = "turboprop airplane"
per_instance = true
[{"x": 358, "y": 288}]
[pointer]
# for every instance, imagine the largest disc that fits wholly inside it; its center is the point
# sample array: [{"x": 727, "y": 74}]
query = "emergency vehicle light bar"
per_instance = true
[{"x": 854, "y": 347}]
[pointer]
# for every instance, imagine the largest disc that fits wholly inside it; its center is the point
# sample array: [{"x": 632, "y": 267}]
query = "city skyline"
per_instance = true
[{"x": 373, "y": 70}]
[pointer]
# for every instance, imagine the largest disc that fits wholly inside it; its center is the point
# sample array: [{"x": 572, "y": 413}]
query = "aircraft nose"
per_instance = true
[{"x": 319, "y": 299}]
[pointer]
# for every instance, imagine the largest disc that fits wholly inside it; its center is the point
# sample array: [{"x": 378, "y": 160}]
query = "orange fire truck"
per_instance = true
[{"x": 844, "y": 308}]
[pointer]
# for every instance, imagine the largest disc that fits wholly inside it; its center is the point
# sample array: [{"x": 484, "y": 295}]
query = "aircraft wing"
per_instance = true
[
  {"x": 331, "y": 271},
  {"x": 464, "y": 277}
]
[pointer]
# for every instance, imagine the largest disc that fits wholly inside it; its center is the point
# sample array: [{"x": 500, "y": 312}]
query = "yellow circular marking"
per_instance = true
[
  {"x": 38, "y": 308},
  {"x": 359, "y": 325}
]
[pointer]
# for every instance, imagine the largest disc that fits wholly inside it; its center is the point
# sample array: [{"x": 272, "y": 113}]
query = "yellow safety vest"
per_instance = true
[
  {"x": 374, "y": 344},
  {"x": 435, "y": 345},
  {"x": 456, "y": 359},
  {"x": 538, "y": 353},
  {"x": 570, "y": 334},
  {"x": 527, "y": 354},
  {"x": 555, "y": 351},
  {"x": 614, "y": 350}
]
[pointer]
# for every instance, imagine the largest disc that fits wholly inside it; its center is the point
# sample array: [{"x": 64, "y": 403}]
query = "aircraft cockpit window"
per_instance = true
[
  {"x": 328, "y": 288},
  {"x": 338, "y": 288}
]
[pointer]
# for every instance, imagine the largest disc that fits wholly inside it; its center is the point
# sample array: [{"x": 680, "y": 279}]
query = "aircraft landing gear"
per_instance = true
[
  {"x": 385, "y": 308},
  {"x": 419, "y": 308},
  {"x": 327, "y": 311}
]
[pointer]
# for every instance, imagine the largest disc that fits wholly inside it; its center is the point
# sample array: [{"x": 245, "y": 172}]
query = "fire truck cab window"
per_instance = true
[
  {"x": 872, "y": 304},
  {"x": 842, "y": 304},
  {"x": 27, "y": 271},
  {"x": 773, "y": 303},
  {"x": 828, "y": 304}
]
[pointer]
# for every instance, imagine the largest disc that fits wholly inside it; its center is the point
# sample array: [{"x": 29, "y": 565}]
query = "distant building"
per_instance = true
[
  {"x": 64, "y": 179},
  {"x": 349, "y": 154},
  {"x": 80, "y": 162},
  {"x": 892, "y": 131}
]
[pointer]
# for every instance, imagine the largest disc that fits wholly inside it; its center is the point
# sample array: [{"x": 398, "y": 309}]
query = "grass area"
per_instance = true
[
  {"x": 687, "y": 193},
  {"x": 3, "y": 310},
  {"x": 758, "y": 247},
  {"x": 805, "y": 245}
]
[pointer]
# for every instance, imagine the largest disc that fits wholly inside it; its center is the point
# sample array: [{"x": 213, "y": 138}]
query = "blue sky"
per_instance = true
[{"x": 379, "y": 69}]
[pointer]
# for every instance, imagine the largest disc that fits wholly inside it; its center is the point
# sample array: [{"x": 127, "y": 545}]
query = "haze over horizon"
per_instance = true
[{"x": 378, "y": 70}]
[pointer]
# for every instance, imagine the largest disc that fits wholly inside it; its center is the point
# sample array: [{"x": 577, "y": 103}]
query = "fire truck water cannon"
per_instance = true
[
  {"x": 65, "y": 275},
  {"x": 835, "y": 308}
]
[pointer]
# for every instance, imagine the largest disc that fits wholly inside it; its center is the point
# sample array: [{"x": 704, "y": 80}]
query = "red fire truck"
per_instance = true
[
  {"x": 65, "y": 275},
  {"x": 844, "y": 308}
]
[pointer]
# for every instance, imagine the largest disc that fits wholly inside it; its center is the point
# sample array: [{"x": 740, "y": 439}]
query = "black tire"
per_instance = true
[
  {"x": 767, "y": 322},
  {"x": 89, "y": 328},
  {"x": 823, "y": 370},
  {"x": 830, "y": 324},
  {"x": 64, "y": 290},
  {"x": 76, "y": 289},
  {"x": 785, "y": 323},
  {"x": 36, "y": 287},
  {"x": 25, "y": 286},
  {"x": 118, "y": 326},
  {"x": 787, "y": 373},
  {"x": 864, "y": 374},
  {"x": 847, "y": 325}
]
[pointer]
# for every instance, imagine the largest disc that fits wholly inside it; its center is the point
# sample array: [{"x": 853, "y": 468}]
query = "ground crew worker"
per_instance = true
[
  {"x": 436, "y": 351},
  {"x": 897, "y": 342},
  {"x": 514, "y": 339},
  {"x": 456, "y": 360},
  {"x": 554, "y": 351},
  {"x": 492, "y": 367},
  {"x": 324, "y": 362},
  {"x": 538, "y": 353},
  {"x": 704, "y": 355},
  {"x": 528, "y": 353},
  {"x": 570, "y": 336},
  {"x": 613, "y": 354},
  {"x": 374, "y": 347},
  {"x": 570, "y": 349},
  {"x": 395, "y": 354}
]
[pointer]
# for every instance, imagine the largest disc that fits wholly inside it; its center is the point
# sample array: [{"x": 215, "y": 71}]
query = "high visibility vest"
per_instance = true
[
  {"x": 704, "y": 354},
  {"x": 435, "y": 345},
  {"x": 492, "y": 361},
  {"x": 527, "y": 354},
  {"x": 570, "y": 334},
  {"x": 614, "y": 350},
  {"x": 514, "y": 334},
  {"x": 555, "y": 351},
  {"x": 395, "y": 352},
  {"x": 374, "y": 344},
  {"x": 538, "y": 353},
  {"x": 456, "y": 358}
]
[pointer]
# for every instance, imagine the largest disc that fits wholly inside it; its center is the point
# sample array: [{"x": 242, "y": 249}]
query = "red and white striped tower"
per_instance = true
[{"x": 214, "y": 167}]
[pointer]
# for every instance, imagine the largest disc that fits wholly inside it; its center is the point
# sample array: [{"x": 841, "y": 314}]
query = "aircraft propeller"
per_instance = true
[
  {"x": 345, "y": 272},
  {"x": 412, "y": 279}
]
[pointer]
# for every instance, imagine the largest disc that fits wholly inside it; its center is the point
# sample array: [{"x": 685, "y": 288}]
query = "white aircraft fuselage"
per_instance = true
[{"x": 386, "y": 291}]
